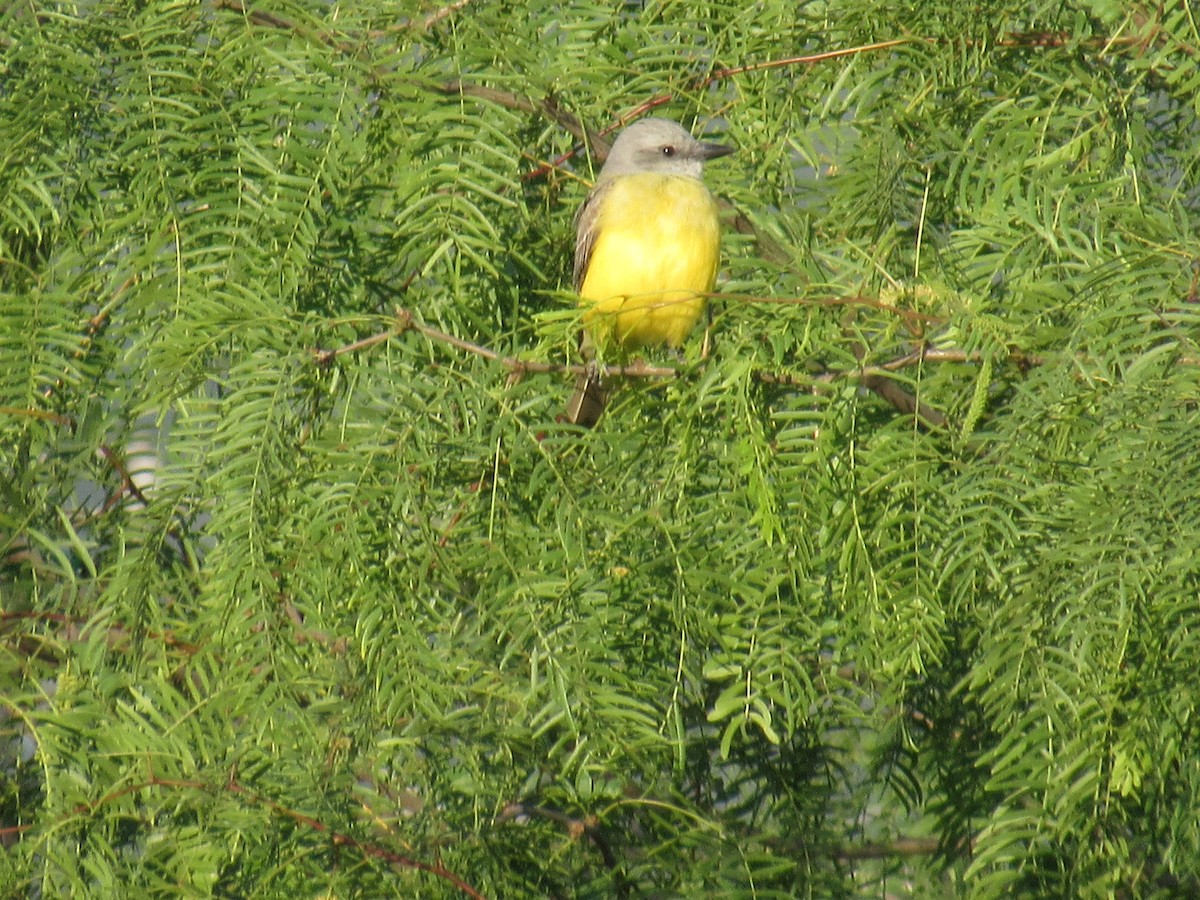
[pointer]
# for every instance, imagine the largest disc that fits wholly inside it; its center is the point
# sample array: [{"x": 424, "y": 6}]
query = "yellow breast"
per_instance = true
[{"x": 655, "y": 255}]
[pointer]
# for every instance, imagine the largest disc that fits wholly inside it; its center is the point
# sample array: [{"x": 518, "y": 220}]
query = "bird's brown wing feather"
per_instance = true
[
  {"x": 591, "y": 396},
  {"x": 586, "y": 221}
]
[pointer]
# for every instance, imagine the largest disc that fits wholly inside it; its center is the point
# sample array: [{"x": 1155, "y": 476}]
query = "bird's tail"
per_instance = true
[
  {"x": 587, "y": 403},
  {"x": 591, "y": 394}
]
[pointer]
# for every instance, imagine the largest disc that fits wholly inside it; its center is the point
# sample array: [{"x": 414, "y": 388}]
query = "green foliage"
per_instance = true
[{"x": 278, "y": 620}]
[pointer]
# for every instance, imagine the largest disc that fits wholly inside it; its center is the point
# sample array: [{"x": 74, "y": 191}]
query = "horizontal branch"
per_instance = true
[
  {"x": 406, "y": 321},
  {"x": 900, "y": 847},
  {"x": 233, "y": 786}
]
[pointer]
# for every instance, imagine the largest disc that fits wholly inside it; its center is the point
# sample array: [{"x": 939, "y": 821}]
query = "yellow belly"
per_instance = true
[{"x": 655, "y": 256}]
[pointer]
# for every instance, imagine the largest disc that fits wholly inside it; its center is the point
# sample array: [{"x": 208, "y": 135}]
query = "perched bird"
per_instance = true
[{"x": 647, "y": 247}]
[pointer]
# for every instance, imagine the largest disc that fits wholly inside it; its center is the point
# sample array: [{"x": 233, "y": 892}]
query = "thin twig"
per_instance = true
[
  {"x": 340, "y": 839},
  {"x": 65, "y": 421},
  {"x": 853, "y": 301},
  {"x": 256, "y": 16},
  {"x": 233, "y": 786},
  {"x": 898, "y": 848},
  {"x": 74, "y": 629},
  {"x": 809, "y": 60},
  {"x": 407, "y": 322},
  {"x": 575, "y": 827},
  {"x": 127, "y": 483},
  {"x": 325, "y": 357},
  {"x": 438, "y": 14},
  {"x": 644, "y": 370}
]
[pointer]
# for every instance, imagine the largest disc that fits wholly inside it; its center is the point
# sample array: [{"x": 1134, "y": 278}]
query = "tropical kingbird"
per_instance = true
[{"x": 647, "y": 247}]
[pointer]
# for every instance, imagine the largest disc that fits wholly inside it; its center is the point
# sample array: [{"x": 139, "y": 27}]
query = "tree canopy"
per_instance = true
[{"x": 887, "y": 586}]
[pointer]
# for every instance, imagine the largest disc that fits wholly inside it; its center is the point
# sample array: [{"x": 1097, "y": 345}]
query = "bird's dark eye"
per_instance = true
[{"x": 668, "y": 150}]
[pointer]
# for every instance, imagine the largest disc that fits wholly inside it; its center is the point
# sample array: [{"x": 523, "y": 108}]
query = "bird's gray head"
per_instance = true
[{"x": 658, "y": 145}]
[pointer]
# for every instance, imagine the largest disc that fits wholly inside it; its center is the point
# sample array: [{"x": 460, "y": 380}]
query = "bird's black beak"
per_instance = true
[{"x": 712, "y": 151}]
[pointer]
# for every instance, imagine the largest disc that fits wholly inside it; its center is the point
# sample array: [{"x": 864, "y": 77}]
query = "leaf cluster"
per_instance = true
[{"x": 894, "y": 590}]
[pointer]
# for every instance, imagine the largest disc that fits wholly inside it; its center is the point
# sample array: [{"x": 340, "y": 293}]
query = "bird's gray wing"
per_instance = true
[
  {"x": 586, "y": 221},
  {"x": 591, "y": 395}
]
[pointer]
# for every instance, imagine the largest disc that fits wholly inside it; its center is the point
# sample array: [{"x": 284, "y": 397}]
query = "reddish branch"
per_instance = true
[
  {"x": 233, "y": 786},
  {"x": 575, "y": 827},
  {"x": 900, "y": 847},
  {"x": 128, "y": 485},
  {"x": 407, "y": 322},
  {"x": 71, "y": 628}
]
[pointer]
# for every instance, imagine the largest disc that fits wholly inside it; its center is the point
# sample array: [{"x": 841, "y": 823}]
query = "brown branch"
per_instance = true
[
  {"x": 270, "y": 20},
  {"x": 903, "y": 401},
  {"x": 550, "y": 109},
  {"x": 340, "y": 839},
  {"x": 407, "y": 322},
  {"x": 935, "y": 355},
  {"x": 900, "y": 847},
  {"x": 909, "y": 315},
  {"x": 233, "y": 786},
  {"x": 874, "y": 377},
  {"x": 767, "y": 246},
  {"x": 575, "y": 827},
  {"x": 65, "y": 421},
  {"x": 258, "y": 17},
  {"x": 458, "y": 88},
  {"x": 328, "y": 37},
  {"x": 704, "y": 81},
  {"x": 547, "y": 107},
  {"x": 1014, "y": 40},
  {"x": 808, "y": 60},
  {"x": 438, "y": 14},
  {"x": 127, "y": 482},
  {"x": 77, "y": 629},
  {"x": 325, "y": 357}
]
